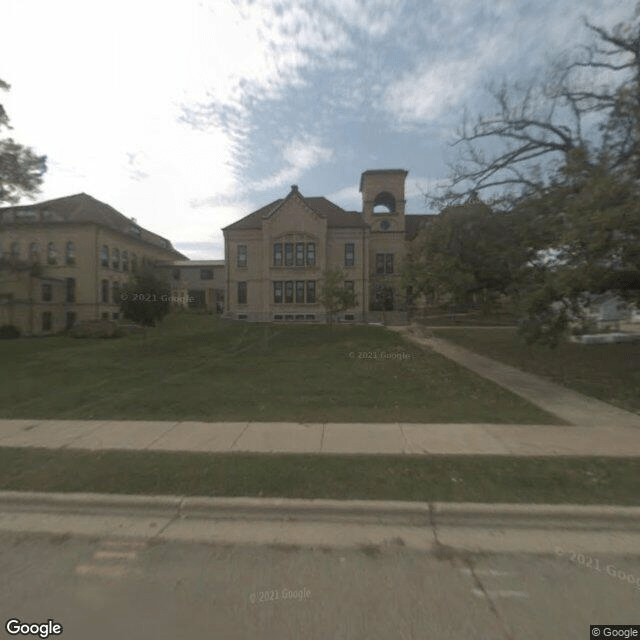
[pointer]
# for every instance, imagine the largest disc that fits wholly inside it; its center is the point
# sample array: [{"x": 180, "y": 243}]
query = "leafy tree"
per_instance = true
[
  {"x": 467, "y": 255},
  {"x": 145, "y": 298},
  {"x": 570, "y": 188},
  {"x": 21, "y": 170},
  {"x": 334, "y": 296},
  {"x": 597, "y": 248}
]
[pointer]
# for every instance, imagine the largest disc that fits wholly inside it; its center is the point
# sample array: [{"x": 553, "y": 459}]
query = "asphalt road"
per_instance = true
[{"x": 105, "y": 588}]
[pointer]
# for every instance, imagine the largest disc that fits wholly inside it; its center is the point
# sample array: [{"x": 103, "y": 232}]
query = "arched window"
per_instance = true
[
  {"x": 34, "y": 252},
  {"x": 104, "y": 256},
  {"x": 384, "y": 203},
  {"x": 51, "y": 253},
  {"x": 71, "y": 253}
]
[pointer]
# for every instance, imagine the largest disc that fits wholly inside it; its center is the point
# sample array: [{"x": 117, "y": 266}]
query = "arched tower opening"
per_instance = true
[
  {"x": 383, "y": 195},
  {"x": 384, "y": 202}
]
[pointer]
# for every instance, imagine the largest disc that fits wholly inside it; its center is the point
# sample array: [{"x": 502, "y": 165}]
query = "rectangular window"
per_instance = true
[
  {"x": 115, "y": 315},
  {"x": 388, "y": 263},
  {"x": 349, "y": 285},
  {"x": 71, "y": 289},
  {"x": 105, "y": 315},
  {"x": 299, "y": 291},
  {"x": 288, "y": 254},
  {"x": 71, "y": 319},
  {"x": 105, "y": 291},
  {"x": 242, "y": 255},
  {"x": 349, "y": 254},
  {"x": 277, "y": 254},
  {"x": 116, "y": 259},
  {"x": 242, "y": 293},
  {"x": 46, "y": 321},
  {"x": 205, "y": 274},
  {"x": 299, "y": 254},
  {"x": 277, "y": 292},
  {"x": 379, "y": 262},
  {"x": 176, "y": 274},
  {"x": 104, "y": 256},
  {"x": 311, "y": 254},
  {"x": 47, "y": 293},
  {"x": 71, "y": 254},
  {"x": 125, "y": 261},
  {"x": 288, "y": 291},
  {"x": 311, "y": 291},
  {"x": 115, "y": 293},
  {"x": 51, "y": 253}
]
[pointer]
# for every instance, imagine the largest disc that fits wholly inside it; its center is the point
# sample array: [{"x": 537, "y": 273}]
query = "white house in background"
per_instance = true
[{"x": 608, "y": 309}]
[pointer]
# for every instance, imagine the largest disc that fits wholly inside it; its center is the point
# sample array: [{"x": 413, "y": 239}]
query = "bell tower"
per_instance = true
[{"x": 383, "y": 199}]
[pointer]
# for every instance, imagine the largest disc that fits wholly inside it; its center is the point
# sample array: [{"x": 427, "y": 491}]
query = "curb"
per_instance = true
[
  {"x": 438, "y": 514},
  {"x": 537, "y": 516}
]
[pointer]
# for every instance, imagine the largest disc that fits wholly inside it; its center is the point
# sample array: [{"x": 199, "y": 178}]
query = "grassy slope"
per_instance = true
[
  {"x": 609, "y": 372},
  {"x": 197, "y": 368}
]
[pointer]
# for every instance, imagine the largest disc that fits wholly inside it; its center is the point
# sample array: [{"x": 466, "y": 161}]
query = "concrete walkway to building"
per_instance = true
[
  {"x": 323, "y": 438},
  {"x": 569, "y": 405}
]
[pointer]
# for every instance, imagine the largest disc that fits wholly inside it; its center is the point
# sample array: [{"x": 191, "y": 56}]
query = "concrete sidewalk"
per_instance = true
[
  {"x": 569, "y": 405},
  {"x": 323, "y": 438}
]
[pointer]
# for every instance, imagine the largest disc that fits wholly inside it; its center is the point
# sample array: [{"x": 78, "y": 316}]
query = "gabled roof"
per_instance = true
[
  {"x": 335, "y": 215},
  {"x": 82, "y": 207}
]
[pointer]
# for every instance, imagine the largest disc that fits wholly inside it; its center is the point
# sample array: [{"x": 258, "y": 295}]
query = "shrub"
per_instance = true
[{"x": 9, "y": 331}]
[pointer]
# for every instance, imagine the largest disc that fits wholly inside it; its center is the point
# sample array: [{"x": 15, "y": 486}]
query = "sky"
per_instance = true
[{"x": 190, "y": 114}]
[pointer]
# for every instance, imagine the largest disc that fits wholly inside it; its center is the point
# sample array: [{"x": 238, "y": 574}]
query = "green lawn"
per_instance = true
[
  {"x": 490, "y": 479},
  {"x": 195, "y": 367},
  {"x": 610, "y": 372}
]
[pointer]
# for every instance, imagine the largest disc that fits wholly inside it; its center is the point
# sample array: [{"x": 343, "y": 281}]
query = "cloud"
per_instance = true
[
  {"x": 436, "y": 86},
  {"x": 349, "y": 198},
  {"x": 299, "y": 155},
  {"x": 372, "y": 17},
  {"x": 471, "y": 43}
]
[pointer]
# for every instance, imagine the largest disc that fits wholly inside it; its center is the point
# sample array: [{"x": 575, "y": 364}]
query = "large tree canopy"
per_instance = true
[
  {"x": 468, "y": 253},
  {"x": 562, "y": 173},
  {"x": 21, "y": 170}
]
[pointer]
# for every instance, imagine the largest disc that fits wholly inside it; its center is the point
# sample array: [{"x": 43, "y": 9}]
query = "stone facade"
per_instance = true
[
  {"x": 276, "y": 256},
  {"x": 84, "y": 249},
  {"x": 196, "y": 284}
]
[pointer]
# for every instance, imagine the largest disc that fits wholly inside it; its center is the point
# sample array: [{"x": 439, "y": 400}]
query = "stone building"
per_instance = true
[
  {"x": 65, "y": 260},
  {"x": 276, "y": 256},
  {"x": 196, "y": 284}
]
